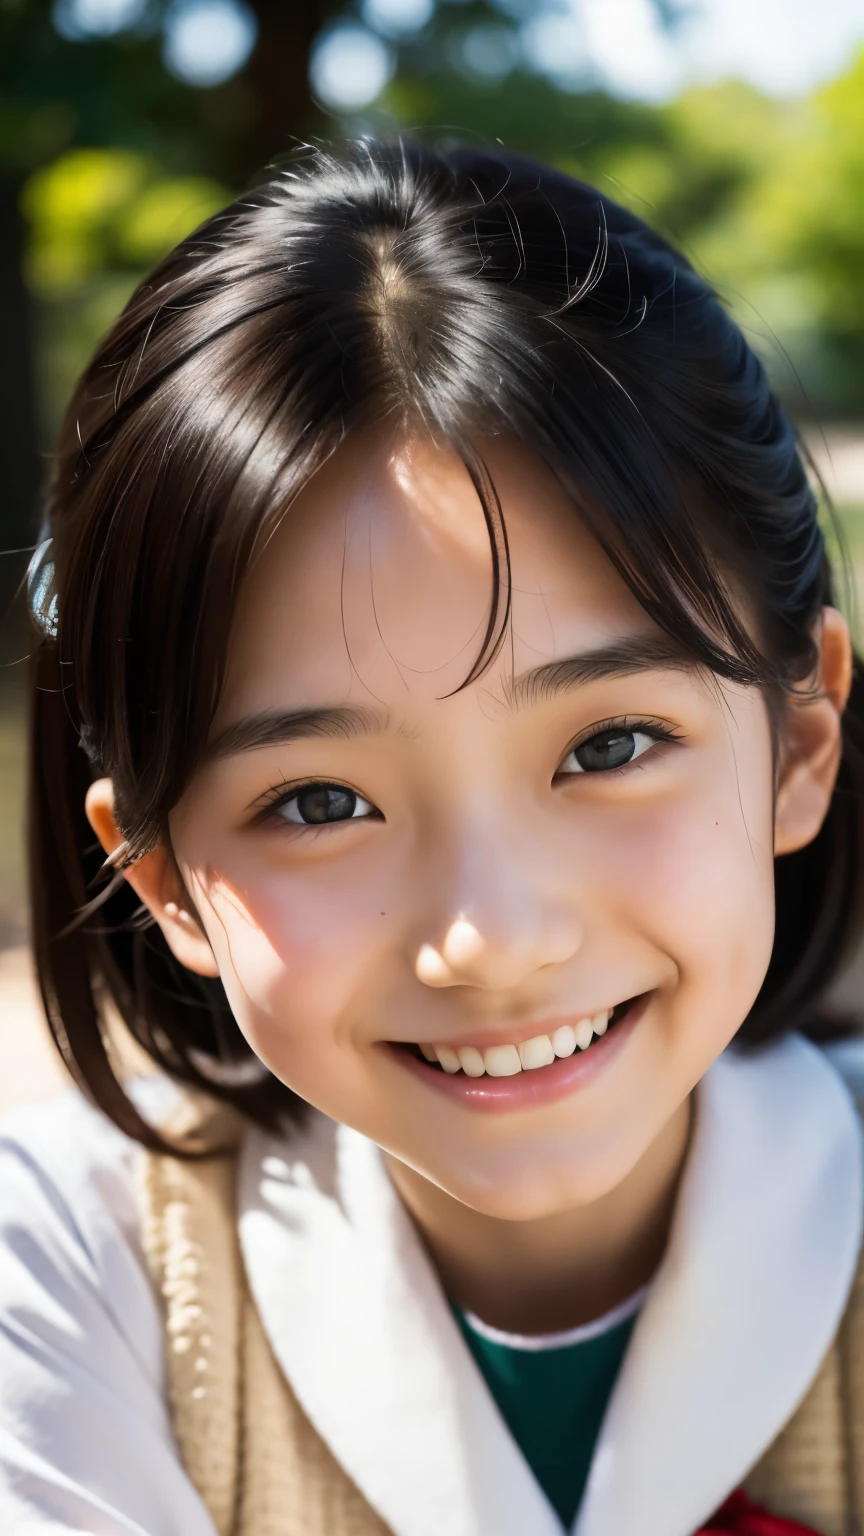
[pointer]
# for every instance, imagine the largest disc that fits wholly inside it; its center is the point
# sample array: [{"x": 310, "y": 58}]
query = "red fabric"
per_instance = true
[{"x": 739, "y": 1516}]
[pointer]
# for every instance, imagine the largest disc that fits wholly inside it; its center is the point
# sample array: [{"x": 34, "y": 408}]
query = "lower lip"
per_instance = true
[{"x": 528, "y": 1090}]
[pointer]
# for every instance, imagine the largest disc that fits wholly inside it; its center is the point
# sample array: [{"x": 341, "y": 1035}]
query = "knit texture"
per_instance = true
[
  {"x": 263, "y": 1470},
  {"x": 804, "y": 1473},
  {"x": 247, "y": 1446}
]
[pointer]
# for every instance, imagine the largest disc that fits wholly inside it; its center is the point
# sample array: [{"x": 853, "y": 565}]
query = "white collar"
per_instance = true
[
  {"x": 761, "y": 1257},
  {"x": 542, "y": 1343}
]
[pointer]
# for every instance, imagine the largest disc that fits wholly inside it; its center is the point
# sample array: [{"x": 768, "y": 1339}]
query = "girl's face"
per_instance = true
[{"x": 386, "y": 863}]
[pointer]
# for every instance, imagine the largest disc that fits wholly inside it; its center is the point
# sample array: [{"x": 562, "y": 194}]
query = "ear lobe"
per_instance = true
[
  {"x": 156, "y": 880},
  {"x": 812, "y": 745}
]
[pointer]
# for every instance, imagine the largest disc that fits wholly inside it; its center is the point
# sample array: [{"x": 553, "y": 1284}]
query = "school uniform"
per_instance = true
[{"x": 259, "y": 1343}]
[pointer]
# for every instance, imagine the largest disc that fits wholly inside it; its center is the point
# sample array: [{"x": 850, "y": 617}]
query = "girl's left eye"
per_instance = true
[
  {"x": 317, "y": 805},
  {"x": 608, "y": 749}
]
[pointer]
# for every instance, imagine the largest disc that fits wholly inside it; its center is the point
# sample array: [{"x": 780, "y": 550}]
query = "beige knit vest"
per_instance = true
[{"x": 261, "y": 1468}]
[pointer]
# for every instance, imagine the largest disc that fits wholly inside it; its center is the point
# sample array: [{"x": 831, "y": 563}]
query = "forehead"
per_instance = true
[{"x": 376, "y": 585}]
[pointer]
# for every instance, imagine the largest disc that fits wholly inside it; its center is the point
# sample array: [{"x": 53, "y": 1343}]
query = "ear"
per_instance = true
[
  {"x": 811, "y": 748},
  {"x": 156, "y": 879}
]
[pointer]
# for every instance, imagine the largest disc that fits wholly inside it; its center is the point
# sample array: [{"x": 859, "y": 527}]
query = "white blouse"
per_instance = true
[{"x": 761, "y": 1257}]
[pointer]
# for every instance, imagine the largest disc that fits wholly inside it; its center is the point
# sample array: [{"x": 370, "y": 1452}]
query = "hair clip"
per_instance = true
[{"x": 41, "y": 596}]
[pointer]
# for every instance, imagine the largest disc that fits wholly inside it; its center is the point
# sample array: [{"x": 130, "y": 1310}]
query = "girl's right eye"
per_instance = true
[{"x": 318, "y": 805}]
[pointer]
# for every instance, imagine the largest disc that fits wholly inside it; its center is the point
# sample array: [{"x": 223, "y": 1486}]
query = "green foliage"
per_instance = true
[
  {"x": 54, "y": 93},
  {"x": 524, "y": 112},
  {"x": 101, "y": 210},
  {"x": 792, "y": 239},
  {"x": 764, "y": 196},
  {"x": 98, "y": 220},
  {"x": 818, "y": 203}
]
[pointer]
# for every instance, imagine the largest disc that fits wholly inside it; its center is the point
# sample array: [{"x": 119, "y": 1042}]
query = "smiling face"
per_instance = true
[{"x": 383, "y": 860}]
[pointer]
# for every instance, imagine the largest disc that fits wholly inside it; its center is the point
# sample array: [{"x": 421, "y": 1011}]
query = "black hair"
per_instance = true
[{"x": 464, "y": 292}]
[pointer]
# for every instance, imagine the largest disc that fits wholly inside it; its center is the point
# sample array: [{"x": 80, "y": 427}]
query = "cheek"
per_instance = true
[
  {"x": 713, "y": 883},
  {"x": 701, "y": 884},
  {"x": 293, "y": 954}
]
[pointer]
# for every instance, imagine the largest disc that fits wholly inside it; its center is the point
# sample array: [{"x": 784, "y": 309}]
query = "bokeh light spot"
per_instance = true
[
  {"x": 207, "y": 41},
  {"x": 349, "y": 67},
  {"x": 397, "y": 18},
  {"x": 78, "y": 20}
]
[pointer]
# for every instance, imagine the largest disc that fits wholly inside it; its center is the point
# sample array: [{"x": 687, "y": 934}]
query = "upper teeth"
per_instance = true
[{"x": 506, "y": 1060}]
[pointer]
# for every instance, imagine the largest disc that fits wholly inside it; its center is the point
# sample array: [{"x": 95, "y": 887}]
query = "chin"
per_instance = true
[{"x": 547, "y": 1191}]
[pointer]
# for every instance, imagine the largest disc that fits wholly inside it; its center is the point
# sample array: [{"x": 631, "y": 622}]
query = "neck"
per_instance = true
[{"x": 558, "y": 1271}]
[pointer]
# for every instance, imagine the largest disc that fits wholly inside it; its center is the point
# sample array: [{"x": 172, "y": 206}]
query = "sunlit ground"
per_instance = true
[{"x": 29, "y": 1067}]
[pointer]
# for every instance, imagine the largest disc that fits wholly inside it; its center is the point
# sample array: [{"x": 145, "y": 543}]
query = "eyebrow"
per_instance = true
[
  {"x": 623, "y": 658},
  {"x": 276, "y": 727}
]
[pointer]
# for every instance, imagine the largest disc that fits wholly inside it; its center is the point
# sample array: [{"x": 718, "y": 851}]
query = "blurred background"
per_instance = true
[{"x": 735, "y": 126}]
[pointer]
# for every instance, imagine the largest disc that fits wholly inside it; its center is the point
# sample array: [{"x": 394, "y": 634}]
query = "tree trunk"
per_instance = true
[
  {"x": 20, "y": 467},
  {"x": 277, "y": 75}
]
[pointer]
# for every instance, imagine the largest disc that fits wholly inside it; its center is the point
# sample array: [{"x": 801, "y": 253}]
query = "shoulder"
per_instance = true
[
  {"x": 63, "y": 1163},
  {"x": 69, "y": 1228},
  {"x": 69, "y": 1217},
  {"x": 85, "y": 1438},
  {"x": 68, "y": 1158},
  {"x": 847, "y": 1059}
]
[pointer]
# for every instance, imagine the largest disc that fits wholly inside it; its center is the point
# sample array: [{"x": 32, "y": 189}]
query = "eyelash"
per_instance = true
[
  {"x": 662, "y": 734},
  {"x": 281, "y": 794}
]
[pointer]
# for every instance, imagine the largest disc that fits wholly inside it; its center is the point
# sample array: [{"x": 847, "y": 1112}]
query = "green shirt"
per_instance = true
[{"x": 553, "y": 1401}]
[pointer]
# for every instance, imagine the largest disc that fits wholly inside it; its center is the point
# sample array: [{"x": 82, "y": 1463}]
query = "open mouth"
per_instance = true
[
  {"x": 531, "y": 1055},
  {"x": 525, "y": 1075}
]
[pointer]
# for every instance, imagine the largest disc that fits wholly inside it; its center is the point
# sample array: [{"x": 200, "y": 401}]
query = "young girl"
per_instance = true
[{"x": 437, "y": 637}]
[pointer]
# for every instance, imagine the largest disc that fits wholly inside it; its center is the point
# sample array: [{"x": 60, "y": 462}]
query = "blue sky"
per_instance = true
[{"x": 782, "y": 46}]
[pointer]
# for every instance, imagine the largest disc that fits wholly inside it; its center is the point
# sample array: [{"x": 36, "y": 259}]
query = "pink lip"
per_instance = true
[{"x": 528, "y": 1090}]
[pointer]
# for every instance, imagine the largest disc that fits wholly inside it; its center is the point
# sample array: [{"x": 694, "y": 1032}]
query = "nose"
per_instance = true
[
  {"x": 511, "y": 922},
  {"x": 467, "y": 958}
]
